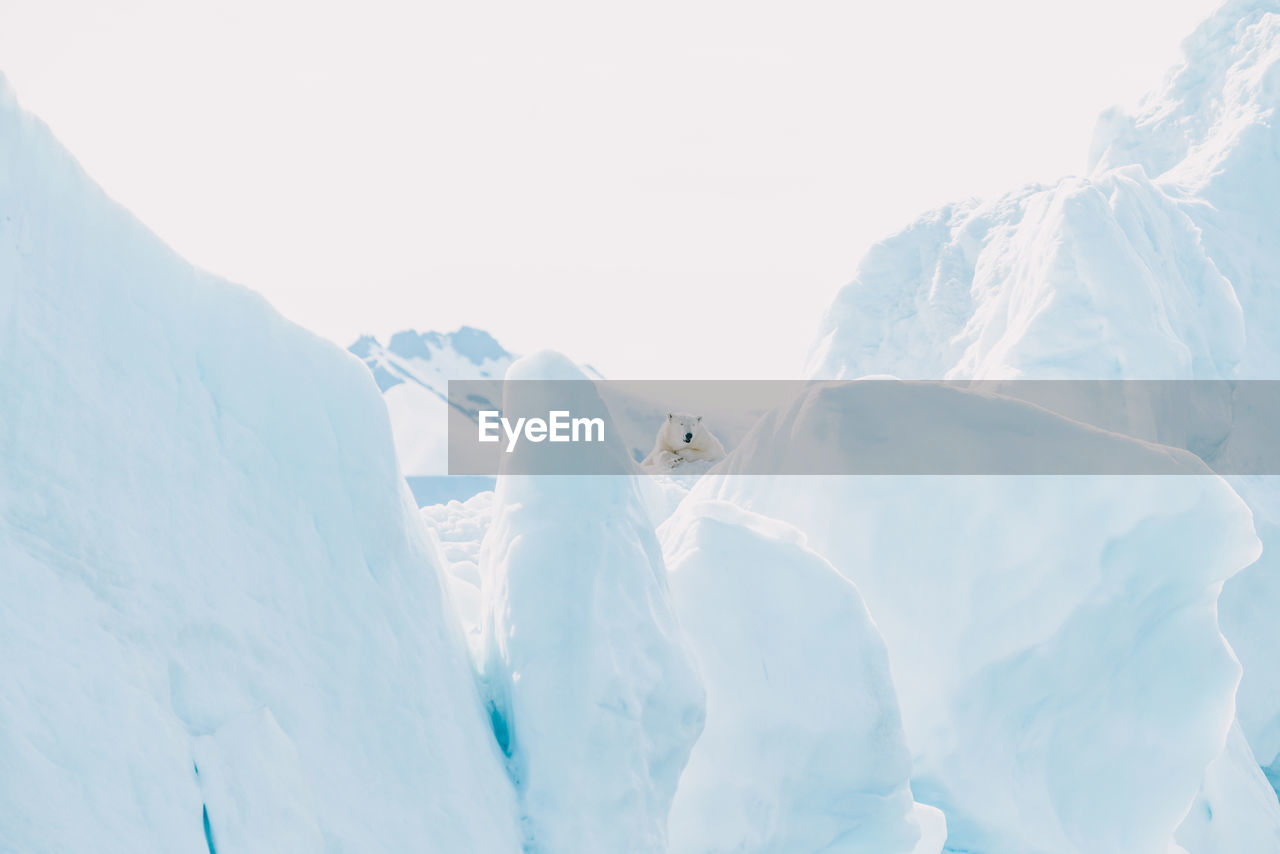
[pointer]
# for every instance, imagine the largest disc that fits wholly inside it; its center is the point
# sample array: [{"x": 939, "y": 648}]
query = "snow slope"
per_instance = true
[
  {"x": 594, "y": 694},
  {"x": 222, "y": 625},
  {"x": 1053, "y": 640}
]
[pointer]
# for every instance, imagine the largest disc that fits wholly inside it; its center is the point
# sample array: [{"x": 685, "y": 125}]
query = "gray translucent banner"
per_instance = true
[{"x": 875, "y": 426}]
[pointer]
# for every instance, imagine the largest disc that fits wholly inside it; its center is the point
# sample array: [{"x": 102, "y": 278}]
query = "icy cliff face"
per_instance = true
[
  {"x": 1102, "y": 278},
  {"x": 803, "y": 747},
  {"x": 1053, "y": 641},
  {"x": 221, "y": 624},
  {"x": 1209, "y": 138},
  {"x": 1163, "y": 263}
]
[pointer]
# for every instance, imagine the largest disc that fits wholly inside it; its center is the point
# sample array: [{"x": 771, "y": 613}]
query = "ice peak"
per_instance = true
[
  {"x": 1215, "y": 102},
  {"x": 1219, "y": 29}
]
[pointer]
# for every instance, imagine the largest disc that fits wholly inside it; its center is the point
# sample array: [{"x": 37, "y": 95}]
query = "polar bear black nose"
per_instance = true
[{"x": 688, "y": 437}]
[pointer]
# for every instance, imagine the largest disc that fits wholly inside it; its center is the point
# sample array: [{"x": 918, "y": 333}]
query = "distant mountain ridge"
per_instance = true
[{"x": 427, "y": 358}]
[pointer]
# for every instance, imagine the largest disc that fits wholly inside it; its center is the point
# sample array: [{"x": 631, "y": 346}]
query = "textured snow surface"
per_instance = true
[
  {"x": 595, "y": 694},
  {"x": 1209, "y": 138},
  {"x": 803, "y": 748},
  {"x": 459, "y": 528},
  {"x": 221, "y": 620},
  {"x": 1100, "y": 278},
  {"x": 1160, "y": 264}
]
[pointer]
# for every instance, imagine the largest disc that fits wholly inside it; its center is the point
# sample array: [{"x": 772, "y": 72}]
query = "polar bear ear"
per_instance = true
[
  {"x": 699, "y": 417},
  {"x": 670, "y": 416}
]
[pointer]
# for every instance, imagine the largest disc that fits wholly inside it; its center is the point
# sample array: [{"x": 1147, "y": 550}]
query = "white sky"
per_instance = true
[{"x": 661, "y": 189}]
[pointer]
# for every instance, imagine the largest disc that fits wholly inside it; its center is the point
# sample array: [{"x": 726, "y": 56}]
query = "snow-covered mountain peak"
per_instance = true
[
  {"x": 431, "y": 359},
  {"x": 413, "y": 370},
  {"x": 474, "y": 345}
]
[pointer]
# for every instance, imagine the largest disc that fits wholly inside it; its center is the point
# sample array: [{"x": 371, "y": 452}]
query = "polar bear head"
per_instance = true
[{"x": 680, "y": 429}]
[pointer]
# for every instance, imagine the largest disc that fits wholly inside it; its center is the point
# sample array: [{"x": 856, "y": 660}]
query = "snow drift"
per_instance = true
[{"x": 221, "y": 624}]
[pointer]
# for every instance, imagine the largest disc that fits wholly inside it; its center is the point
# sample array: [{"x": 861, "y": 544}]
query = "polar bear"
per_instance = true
[{"x": 683, "y": 438}]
